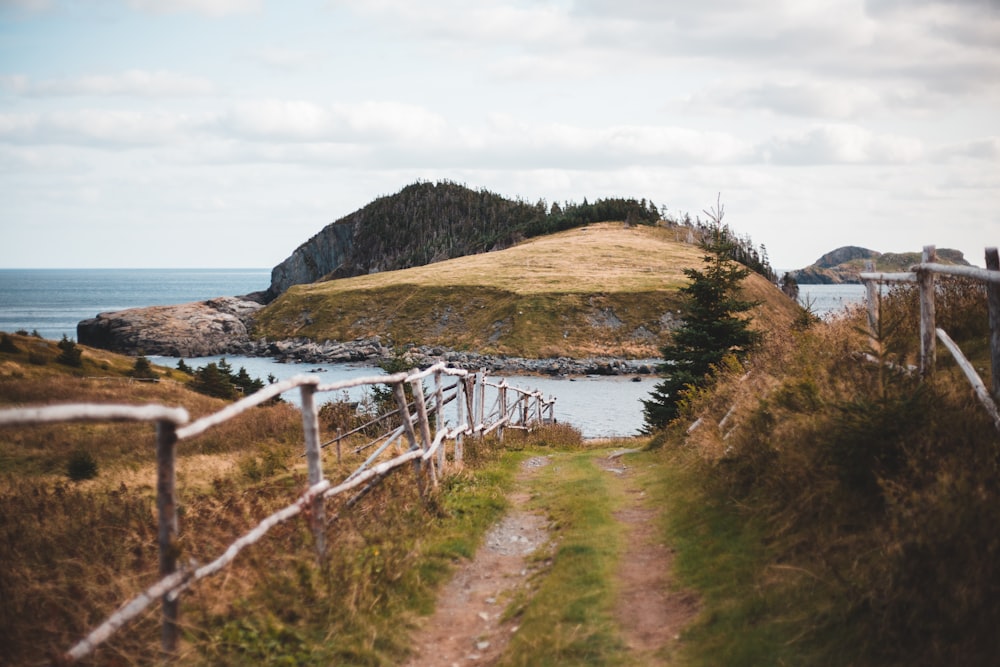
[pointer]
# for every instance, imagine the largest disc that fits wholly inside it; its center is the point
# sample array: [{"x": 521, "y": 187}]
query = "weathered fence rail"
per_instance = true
[
  {"x": 425, "y": 452},
  {"x": 923, "y": 274}
]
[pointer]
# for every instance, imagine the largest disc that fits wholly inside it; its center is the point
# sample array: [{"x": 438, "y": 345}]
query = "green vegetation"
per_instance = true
[
  {"x": 711, "y": 329},
  {"x": 219, "y": 380},
  {"x": 569, "y": 618},
  {"x": 857, "y": 504}
]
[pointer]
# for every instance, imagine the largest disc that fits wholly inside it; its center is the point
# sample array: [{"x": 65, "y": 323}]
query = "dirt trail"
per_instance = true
[
  {"x": 466, "y": 627},
  {"x": 651, "y": 616}
]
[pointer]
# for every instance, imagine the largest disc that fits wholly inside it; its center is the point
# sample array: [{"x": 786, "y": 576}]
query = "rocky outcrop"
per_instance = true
[
  {"x": 844, "y": 265},
  {"x": 188, "y": 330}
]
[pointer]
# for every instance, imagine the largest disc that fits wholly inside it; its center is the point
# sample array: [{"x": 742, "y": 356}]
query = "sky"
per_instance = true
[{"x": 225, "y": 133}]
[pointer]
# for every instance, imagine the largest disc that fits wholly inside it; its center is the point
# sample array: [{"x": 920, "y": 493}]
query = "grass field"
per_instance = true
[{"x": 605, "y": 289}]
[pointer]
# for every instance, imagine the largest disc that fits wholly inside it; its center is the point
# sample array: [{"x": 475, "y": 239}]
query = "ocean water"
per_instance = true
[
  {"x": 827, "y": 300},
  {"x": 52, "y": 301}
]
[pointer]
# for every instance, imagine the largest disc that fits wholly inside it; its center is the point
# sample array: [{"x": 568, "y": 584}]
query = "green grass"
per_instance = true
[{"x": 569, "y": 619}]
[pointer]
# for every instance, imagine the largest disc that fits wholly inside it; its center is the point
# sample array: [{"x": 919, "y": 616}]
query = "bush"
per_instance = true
[
  {"x": 70, "y": 355},
  {"x": 142, "y": 369},
  {"x": 7, "y": 345},
  {"x": 81, "y": 466},
  {"x": 883, "y": 487}
]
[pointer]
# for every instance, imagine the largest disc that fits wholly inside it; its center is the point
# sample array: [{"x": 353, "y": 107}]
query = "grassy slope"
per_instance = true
[{"x": 602, "y": 289}]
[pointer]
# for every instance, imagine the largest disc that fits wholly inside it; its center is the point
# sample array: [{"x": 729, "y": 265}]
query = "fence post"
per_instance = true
[
  {"x": 460, "y": 417},
  {"x": 502, "y": 398},
  {"x": 411, "y": 437},
  {"x": 425, "y": 427},
  {"x": 993, "y": 291},
  {"x": 166, "y": 505},
  {"x": 439, "y": 416},
  {"x": 928, "y": 329},
  {"x": 481, "y": 395},
  {"x": 314, "y": 458}
]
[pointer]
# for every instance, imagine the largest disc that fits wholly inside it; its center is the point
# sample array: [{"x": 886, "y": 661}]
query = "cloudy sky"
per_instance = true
[{"x": 223, "y": 133}]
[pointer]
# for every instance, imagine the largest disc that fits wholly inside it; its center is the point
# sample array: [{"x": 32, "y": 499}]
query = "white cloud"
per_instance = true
[
  {"x": 840, "y": 144},
  {"x": 94, "y": 127},
  {"x": 133, "y": 82}
]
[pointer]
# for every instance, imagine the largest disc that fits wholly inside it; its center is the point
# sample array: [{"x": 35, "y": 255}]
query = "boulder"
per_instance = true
[{"x": 195, "y": 329}]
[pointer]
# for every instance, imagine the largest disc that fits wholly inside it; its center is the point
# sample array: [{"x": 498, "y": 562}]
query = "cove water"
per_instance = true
[{"x": 52, "y": 301}]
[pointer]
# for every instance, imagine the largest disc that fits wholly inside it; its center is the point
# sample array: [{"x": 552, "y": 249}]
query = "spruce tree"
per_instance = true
[{"x": 710, "y": 329}]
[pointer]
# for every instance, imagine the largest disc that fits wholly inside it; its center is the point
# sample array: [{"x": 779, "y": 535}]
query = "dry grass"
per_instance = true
[
  {"x": 881, "y": 487},
  {"x": 604, "y": 257},
  {"x": 595, "y": 291}
]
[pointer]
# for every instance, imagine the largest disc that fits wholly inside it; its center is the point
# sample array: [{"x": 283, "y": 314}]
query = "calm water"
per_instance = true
[
  {"x": 601, "y": 407},
  {"x": 830, "y": 299},
  {"x": 54, "y": 300}
]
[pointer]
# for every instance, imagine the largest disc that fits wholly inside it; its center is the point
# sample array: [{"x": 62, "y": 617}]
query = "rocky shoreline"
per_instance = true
[
  {"x": 222, "y": 326},
  {"x": 373, "y": 350}
]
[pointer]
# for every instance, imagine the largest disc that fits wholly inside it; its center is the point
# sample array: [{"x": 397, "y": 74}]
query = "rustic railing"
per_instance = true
[
  {"x": 173, "y": 425},
  {"x": 924, "y": 275}
]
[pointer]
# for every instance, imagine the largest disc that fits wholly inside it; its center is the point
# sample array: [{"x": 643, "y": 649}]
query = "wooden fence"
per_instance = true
[
  {"x": 425, "y": 452},
  {"x": 923, "y": 275}
]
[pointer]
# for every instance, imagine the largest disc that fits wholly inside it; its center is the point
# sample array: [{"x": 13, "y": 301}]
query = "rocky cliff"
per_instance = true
[
  {"x": 423, "y": 223},
  {"x": 188, "y": 330}
]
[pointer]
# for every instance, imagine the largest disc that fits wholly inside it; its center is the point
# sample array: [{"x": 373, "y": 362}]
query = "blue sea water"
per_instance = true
[{"x": 52, "y": 301}]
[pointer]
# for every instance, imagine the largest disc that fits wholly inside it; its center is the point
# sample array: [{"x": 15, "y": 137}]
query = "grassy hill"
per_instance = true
[{"x": 602, "y": 289}]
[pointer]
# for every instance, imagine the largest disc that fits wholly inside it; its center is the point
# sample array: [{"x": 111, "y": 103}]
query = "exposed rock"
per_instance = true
[
  {"x": 845, "y": 264},
  {"x": 187, "y": 330}
]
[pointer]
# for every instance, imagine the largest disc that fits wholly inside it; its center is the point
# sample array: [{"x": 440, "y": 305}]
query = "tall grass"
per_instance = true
[{"x": 881, "y": 491}]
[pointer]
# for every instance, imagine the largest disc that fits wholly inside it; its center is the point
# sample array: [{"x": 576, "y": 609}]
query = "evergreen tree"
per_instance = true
[
  {"x": 70, "y": 355},
  {"x": 710, "y": 328},
  {"x": 142, "y": 369},
  {"x": 211, "y": 380}
]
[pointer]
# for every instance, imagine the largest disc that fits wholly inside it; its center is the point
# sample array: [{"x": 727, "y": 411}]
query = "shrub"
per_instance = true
[
  {"x": 81, "y": 466},
  {"x": 142, "y": 369},
  {"x": 7, "y": 345},
  {"x": 70, "y": 355}
]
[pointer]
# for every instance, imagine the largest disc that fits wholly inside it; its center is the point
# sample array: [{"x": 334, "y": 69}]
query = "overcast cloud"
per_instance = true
[{"x": 226, "y": 132}]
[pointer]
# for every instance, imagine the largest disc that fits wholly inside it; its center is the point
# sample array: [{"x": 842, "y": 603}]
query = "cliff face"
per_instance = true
[{"x": 423, "y": 223}]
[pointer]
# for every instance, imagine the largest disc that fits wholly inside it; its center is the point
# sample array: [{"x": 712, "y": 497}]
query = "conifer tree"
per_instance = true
[{"x": 711, "y": 327}]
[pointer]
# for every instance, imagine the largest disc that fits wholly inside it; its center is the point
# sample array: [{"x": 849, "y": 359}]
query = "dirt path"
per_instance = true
[
  {"x": 650, "y": 614},
  {"x": 466, "y": 627}
]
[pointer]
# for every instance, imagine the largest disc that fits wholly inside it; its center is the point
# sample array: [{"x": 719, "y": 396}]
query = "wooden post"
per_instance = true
[
  {"x": 439, "y": 416},
  {"x": 538, "y": 407},
  {"x": 460, "y": 417},
  {"x": 993, "y": 292},
  {"x": 411, "y": 436},
  {"x": 340, "y": 435},
  {"x": 502, "y": 398},
  {"x": 314, "y": 458},
  {"x": 166, "y": 505},
  {"x": 481, "y": 395},
  {"x": 872, "y": 295},
  {"x": 425, "y": 426},
  {"x": 928, "y": 337}
]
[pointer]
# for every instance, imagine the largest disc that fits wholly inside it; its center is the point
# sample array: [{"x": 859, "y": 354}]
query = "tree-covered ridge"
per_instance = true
[{"x": 429, "y": 222}]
